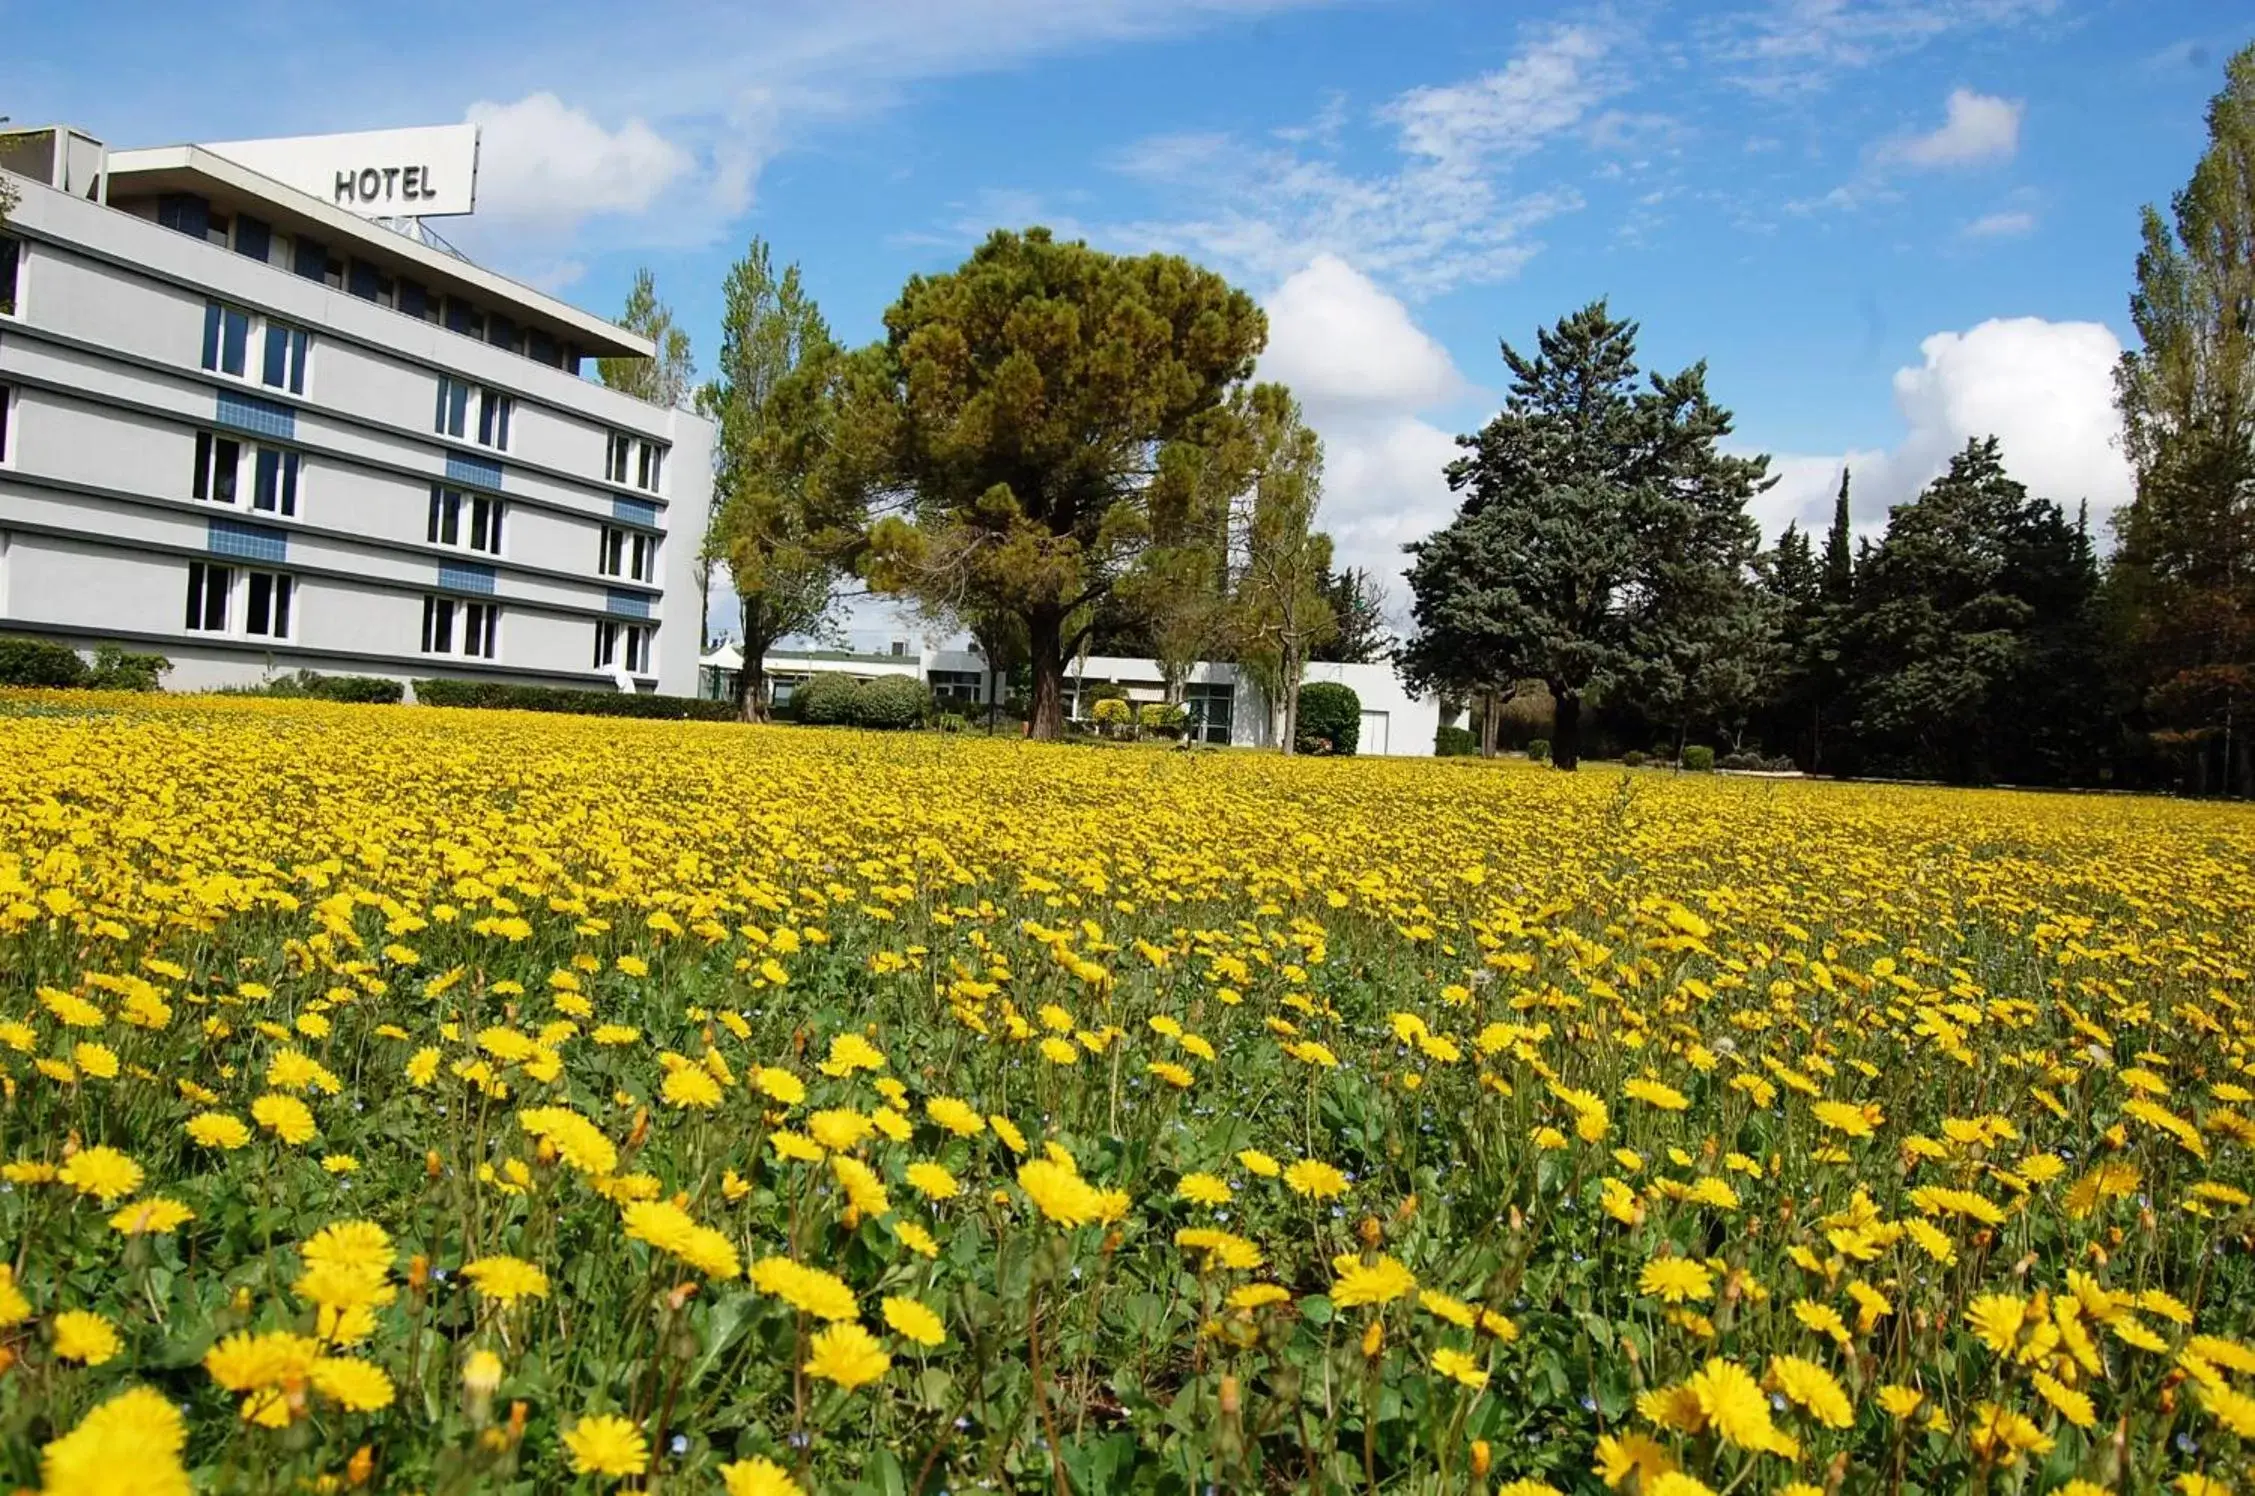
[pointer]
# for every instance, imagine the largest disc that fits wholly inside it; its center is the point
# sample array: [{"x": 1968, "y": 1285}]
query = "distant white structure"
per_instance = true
[
  {"x": 253, "y": 418},
  {"x": 1224, "y": 703}
]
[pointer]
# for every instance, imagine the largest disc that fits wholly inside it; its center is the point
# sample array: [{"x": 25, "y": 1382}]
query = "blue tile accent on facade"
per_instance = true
[
  {"x": 459, "y": 578},
  {"x": 629, "y": 604},
  {"x": 263, "y": 417},
  {"x": 477, "y": 472},
  {"x": 634, "y": 512},
  {"x": 230, "y": 537}
]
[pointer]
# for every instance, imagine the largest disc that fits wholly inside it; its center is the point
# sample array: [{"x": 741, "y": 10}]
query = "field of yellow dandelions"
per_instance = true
[{"x": 415, "y": 1100}]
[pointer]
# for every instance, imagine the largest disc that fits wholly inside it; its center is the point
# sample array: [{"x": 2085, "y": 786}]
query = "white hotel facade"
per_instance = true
[{"x": 253, "y": 431}]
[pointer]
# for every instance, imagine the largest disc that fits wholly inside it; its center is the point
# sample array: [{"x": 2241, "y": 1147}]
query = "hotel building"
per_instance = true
[{"x": 254, "y": 431}]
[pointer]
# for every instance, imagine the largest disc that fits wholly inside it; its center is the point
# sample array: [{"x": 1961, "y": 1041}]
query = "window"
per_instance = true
[
  {"x": 227, "y": 339},
  {"x": 646, "y": 460},
  {"x": 1211, "y": 709},
  {"x": 628, "y": 553},
  {"x": 623, "y": 644},
  {"x": 284, "y": 366},
  {"x": 266, "y": 604},
  {"x": 955, "y": 687},
  {"x": 453, "y": 405},
  {"x": 218, "y": 460},
  {"x": 465, "y": 519},
  {"x": 274, "y": 482},
  {"x": 207, "y": 597},
  {"x": 478, "y": 634},
  {"x": 11, "y": 266},
  {"x": 227, "y": 345},
  {"x": 493, "y": 419},
  {"x": 5, "y": 392}
]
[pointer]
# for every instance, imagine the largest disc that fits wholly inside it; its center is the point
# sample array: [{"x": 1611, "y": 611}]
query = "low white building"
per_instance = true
[
  {"x": 255, "y": 428},
  {"x": 1226, "y": 706}
]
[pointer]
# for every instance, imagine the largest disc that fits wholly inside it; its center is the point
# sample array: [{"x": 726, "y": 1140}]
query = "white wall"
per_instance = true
[{"x": 107, "y": 396}]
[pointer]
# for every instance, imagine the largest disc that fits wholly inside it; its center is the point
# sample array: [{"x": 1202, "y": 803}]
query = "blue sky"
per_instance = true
[{"x": 1886, "y": 224}]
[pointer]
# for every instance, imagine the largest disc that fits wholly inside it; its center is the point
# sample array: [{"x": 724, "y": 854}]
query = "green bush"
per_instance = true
[
  {"x": 36, "y": 662},
  {"x": 826, "y": 700},
  {"x": 497, "y": 696},
  {"x": 1633, "y": 759},
  {"x": 1111, "y": 713},
  {"x": 890, "y": 703},
  {"x": 1330, "y": 718},
  {"x": 1455, "y": 742},
  {"x": 1699, "y": 758},
  {"x": 367, "y": 690},
  {"x": 1162, "y": 720},
  {"x": 116, "y": 668},
  {"x": 1538, "y": 749}
]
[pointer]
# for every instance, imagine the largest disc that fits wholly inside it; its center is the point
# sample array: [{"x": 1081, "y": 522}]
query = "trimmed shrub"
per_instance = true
[
  {"x": 1330, "y": 718},
  {"x": 1633, "y": 759},
  {"x": 1699, "y": 759},
  {"x": 890, "y": 703},
  {"x": 1758, "y": 763},
  {"x": 367, "y": 690},
  {"x": 1455, "y": 742},
  {"x": 37, "y": 662},
  {"x": 1110, "y": 714},
  {"x": 497, "y": 696},
  {"x": 1538, "y": 749},
  {"x": 1162, "y": 720},
  {"x": 826, "y": 700}
]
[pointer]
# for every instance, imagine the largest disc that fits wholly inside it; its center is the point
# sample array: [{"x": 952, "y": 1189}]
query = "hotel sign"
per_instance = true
[{"x": 429, "y": 172}]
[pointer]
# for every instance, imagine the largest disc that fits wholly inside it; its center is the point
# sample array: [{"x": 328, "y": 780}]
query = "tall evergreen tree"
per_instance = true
[
  {"x": 1603, "y": 539},
  {"x": 2184, "y": 576},
  {"x": 1359, "y": 607},
  {"x": 1971, "y": 655},
  {"x": 1839, "y": 581}
]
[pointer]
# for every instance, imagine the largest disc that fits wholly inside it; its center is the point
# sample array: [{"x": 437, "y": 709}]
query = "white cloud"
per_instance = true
[
  {"x": 2045, "y": 390},
  {"x": 1365, "y": 373},
  {"x": 1789, "y": 47},
  {"x": 1341, "y": 343},
  {"x": 1445, "y": 214},
  {"x": 545, "y": 164},
  {"x": 2004, "y": 224},
  {"x": 1976, "y": 130},
  {"x": 1383, "y": 487}
]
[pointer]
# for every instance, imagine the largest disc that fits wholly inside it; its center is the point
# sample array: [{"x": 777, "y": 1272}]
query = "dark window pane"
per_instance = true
[
  {"x": 283, "y": 588},
  {"x": 266, "y": 484},
  {"x": 253, "y": 237},
  {"x": 299, "y": 341},
  {"x": 413, "y": 299},
  {"x": 259, "y": 606},
  {"x": 201, "y": 486},
  {"x": 277, "y": 368},
  {"x": 312, "y": 258},
  {"x": 234, "y": 340},
  {"x": 11, "y": 256},
  {"x": 195, "y": 594},
  {"x": 226, "y": 456},
  {"x": 212, "y": 314},
  {"x": 186, "y": 212},
  {"x": 362, "y": 280},
  {"x": 290, "y": 483}
]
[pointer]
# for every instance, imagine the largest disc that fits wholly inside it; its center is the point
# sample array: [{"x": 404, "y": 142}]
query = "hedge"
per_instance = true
[
  {"x": 495, "y": 696},
  {"x": 889, "y": 703},
  {"x": 826, "y": 700},
  {"x": 1330, "y": 718},
  {"x": 36, "y": 662},
  {"x": 1455, "y": 742}
]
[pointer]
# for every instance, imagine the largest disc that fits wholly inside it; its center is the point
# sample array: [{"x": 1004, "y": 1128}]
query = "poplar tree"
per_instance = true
[
  {"x": 661, "y": 380},
  {"x": 2184, "y": 576}
]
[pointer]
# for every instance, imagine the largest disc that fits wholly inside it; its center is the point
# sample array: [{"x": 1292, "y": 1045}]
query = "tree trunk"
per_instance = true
[
  {"x": 1290, "y": 702},
  {"x": 1045, "y": 639},
  {"x": 751, "y": 680},
  {"x": 1491, "y": 722},
  {"x": 1565, "y": 729}
]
